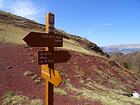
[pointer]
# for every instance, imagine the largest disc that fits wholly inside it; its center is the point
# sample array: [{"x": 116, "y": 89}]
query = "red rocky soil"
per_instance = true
[{"x": 16, "y": 59}]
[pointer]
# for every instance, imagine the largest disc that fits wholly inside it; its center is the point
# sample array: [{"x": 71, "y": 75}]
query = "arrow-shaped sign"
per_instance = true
[
  {"x": 37, "y": 39},
  {"x": 46, "y": 57},
  {"x": 54, "y": 78}
]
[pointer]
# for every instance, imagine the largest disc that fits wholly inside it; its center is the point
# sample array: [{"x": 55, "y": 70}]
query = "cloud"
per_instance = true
[
  {"x": 101, "y": 26},
  {"x": 24, "y": 8},
  {"x": 109, "y": 24},
  {"x": 31, "y": 9},
  {"x": 95, "y": 26}
]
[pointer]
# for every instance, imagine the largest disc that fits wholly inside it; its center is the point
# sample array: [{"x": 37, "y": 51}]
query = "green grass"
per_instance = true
[
  {"x": 11, "y": 34},
  {"x": 10, "y": 98},
  {"x": 105, "y": 95},
  {"x": 37, "y": 79},
  {"x": 60, "y": 91}
]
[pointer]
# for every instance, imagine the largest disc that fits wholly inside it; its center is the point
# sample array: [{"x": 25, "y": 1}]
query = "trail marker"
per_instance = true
[
  {"x": 37, "y": 39},
  {"x": 48, "y": 57},
  {"x": 55, "y": 77}
]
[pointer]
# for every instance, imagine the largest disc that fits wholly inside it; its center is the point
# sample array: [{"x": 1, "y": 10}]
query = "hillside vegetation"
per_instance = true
[
  {"x": 90, "y": 77},
  {"x": 129, "y": 61},
  {"x": 14, "y": 28}
]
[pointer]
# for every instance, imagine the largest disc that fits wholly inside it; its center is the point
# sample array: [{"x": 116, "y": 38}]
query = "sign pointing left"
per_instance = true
[{"x": 37, "y": 39}]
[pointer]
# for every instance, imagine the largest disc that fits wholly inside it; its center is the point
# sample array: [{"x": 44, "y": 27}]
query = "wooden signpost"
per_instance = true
[{"x": 48, "y": 56}]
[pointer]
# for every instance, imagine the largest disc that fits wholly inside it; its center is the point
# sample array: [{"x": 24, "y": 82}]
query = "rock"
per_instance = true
[
  {"x": 8, "y": 67},
  {"x": 33, "y": 61},
  {"x": 28, "y": 73},
  {"x": 75, "y": 63},
  {"x": 135, "y": 95},
  {"x": 31, "y": 48},
  {"x": 26, "y": 46},
  {"x": 34, "y": 77},
  {"x": 37, "y": 81}
]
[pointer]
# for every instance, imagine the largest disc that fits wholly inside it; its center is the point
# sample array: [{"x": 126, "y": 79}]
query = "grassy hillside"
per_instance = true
[{"x": 14, "y": 28}]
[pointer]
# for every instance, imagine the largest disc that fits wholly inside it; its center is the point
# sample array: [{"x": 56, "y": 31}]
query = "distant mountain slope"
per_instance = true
[
  {"x": 14, "y": 28},
  {"x": 130, "y": 61},
  {"x": 123, "y": 48}
]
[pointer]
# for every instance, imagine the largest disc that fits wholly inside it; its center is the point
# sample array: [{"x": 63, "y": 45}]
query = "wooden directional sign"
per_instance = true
[
  {"x": 36, "y": 39},
  {"x": 46, "y": 57},
  {"x": 54, "y": 78}
]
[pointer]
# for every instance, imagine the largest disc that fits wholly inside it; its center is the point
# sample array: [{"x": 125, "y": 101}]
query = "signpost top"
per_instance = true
[
  {"x": 50, "y": 20},
  {"x": 48, "y": 39}
]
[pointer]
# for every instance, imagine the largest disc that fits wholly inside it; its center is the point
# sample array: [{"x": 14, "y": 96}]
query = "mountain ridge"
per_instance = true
[
  {"x": 122, "y": 48},
  {"x": 137, "y": 45}
]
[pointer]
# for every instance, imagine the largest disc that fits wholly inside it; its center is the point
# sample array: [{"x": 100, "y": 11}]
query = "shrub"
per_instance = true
[{"x": 126, "y": 65}]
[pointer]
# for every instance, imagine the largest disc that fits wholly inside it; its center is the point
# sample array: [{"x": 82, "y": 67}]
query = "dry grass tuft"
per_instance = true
[{"x": 10, "y": 98}]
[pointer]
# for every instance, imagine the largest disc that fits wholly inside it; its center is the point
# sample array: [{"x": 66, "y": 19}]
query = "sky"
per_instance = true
[{"x": 104, "y": 22}]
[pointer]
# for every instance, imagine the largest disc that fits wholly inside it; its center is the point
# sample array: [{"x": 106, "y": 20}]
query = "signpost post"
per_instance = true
[{"x": 48, "y": 57}]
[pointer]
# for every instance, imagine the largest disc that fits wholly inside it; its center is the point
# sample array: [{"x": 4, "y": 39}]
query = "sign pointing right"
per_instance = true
[{"x": 46, "y": 57}]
